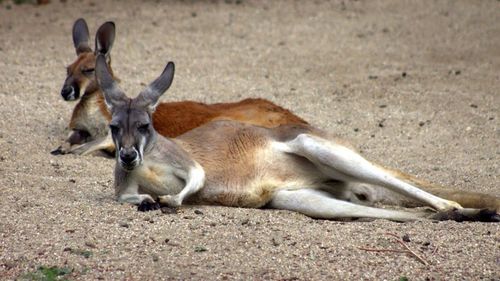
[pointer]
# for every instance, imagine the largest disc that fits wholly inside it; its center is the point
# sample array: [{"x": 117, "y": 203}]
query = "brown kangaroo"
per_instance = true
[
  {"x": 291, "y": 167},
  {"x": 90, "y": 118}
]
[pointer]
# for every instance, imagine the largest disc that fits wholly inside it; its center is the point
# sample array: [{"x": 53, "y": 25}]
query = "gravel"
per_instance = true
[{"x": 339, "y": 64}]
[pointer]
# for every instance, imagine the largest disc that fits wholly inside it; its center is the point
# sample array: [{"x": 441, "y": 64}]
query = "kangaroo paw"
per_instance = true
[
  {"x": 57, "y": 151},
  {"x": 146, "y": 206},
  {"x": 64, "y": 148},
  {"x": 466, "y": 214}
]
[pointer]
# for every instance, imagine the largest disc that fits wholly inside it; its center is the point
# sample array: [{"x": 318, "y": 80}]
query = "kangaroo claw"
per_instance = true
[
  {"x": 148, "y": 206},
  {"x": 467, "y": 214}
]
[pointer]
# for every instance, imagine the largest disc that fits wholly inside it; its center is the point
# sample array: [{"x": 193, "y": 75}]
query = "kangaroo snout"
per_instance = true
[
  {"x": 70, "y": 93},
  {"x": 129, "y": 158}
]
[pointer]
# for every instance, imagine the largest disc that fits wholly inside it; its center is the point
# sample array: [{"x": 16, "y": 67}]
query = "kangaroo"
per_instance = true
[
  {"x": 292, "y": 167},
  {"x": 90, "y": 117}
]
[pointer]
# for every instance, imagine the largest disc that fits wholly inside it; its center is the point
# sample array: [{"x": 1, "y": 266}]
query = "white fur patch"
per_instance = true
[{"x": 194, "y": 182}]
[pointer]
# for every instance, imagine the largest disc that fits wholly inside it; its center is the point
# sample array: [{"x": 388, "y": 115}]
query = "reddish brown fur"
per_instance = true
[
  {"x": 175, "y": 118},
  {"x": 90, "y": 116}
]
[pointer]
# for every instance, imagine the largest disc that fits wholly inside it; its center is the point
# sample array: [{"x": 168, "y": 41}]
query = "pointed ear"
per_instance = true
[
  {"x": 104, "y": 38},
  {"x": 81, "y": 36},
  {"x": 113, "y": 96},
  {"x": 150, "y": 96}
]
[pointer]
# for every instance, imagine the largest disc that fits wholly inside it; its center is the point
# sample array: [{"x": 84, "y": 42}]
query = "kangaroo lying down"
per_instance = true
[
  {"x": 90, "y": 117},
  {"x": 291, "y": 167}
]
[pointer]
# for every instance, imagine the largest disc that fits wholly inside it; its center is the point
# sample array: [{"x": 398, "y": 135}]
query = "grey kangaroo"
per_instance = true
[{"x": 290, "y": 167}]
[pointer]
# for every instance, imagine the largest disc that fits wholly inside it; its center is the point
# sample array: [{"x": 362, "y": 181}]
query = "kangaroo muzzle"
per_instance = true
[
  {"x": 70, "y": 92},
  {"x": 128, "y": 158}
]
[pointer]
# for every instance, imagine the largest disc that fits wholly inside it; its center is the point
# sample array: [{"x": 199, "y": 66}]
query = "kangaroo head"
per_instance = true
[
  {"x": 131, "y": 122},
  {"x": 80, "y": 74}
]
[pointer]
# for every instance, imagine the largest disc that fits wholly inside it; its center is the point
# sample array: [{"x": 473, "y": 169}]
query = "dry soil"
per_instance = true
[{"x": 413, "y": 84}]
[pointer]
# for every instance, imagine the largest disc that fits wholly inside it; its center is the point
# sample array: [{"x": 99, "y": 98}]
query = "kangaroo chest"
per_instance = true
[{"x": 90, "y": 115}]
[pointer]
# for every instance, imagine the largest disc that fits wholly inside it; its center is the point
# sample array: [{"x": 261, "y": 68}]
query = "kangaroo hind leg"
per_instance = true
[
  {"x": 104, "y": 144},
  {"x": 76, "y": 137},
  {"x": 342, "y": 163},
  {"x": 318, "y": 204}
]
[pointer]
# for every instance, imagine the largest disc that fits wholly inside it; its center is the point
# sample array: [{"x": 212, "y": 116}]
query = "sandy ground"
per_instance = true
[{"x": 413, "y": 84}]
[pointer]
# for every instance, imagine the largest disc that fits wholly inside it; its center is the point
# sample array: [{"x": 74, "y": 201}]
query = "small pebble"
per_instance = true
[
  {"x": 381, "y": 123},
  {"x": 168, "y": 210},
  {"x": 275, "y": 241},
  {"x": 155, "y": 257},
  {"x": 406, "y": 238},
  {"x": 200, "y": 249},
  {"x": 198, "y": 212},
  {"x": 124, "y": 224}
]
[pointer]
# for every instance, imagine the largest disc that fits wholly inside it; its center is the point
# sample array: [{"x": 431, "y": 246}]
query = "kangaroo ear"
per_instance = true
[
  {"x": 81, "y": 36},
  {"x": 113, "y": 96},
  {"x": 104, "y": 38},
  {"x": 150, "y": 96}
]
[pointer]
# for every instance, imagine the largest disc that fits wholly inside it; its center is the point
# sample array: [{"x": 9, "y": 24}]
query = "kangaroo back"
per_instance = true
[{"x": 176, "y": 118}]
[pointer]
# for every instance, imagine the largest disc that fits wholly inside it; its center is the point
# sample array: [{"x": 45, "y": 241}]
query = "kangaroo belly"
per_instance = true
[{"x": 251, "y": 180}]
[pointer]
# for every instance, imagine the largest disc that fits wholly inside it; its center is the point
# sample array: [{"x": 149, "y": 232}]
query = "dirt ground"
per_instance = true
[{"x": 413, "y": 84}]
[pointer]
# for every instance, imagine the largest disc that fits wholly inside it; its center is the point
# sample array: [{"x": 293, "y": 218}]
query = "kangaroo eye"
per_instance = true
[
  {"x": 143, "y": 129},
  {"x": 88, "y": 71},
  {"x": 114, "y": 129}
]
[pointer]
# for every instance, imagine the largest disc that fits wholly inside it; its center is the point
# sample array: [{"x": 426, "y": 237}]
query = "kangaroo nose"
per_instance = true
[
  {"x": 68, "y": 93},
  {"x": 128, "y": 155}
]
